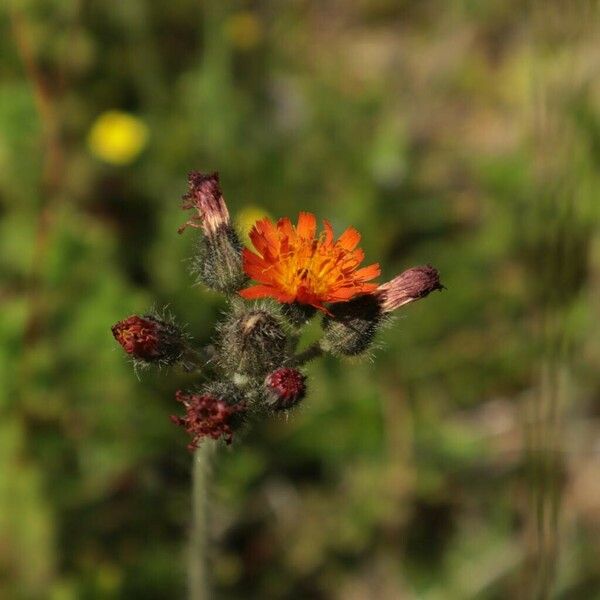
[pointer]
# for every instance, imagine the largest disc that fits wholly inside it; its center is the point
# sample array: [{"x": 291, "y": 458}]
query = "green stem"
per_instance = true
[
  {"x": 313, "y": 351},
  {"x": 198, "y": 572}
]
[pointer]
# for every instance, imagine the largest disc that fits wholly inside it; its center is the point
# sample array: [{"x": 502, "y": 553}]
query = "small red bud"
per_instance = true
[
  {"x": 149, "y": 339},
  {"x": 286, "y": 387}
]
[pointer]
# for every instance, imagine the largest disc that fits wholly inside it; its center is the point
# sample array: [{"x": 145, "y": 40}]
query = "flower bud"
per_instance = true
[
  {"x": 251, "y": 342},
  {"x": 351, "y": 326},
  {"x": 413, "y": 284},
  {"x": 219, "y": 260},
  {"x": 209, "y": 414},
  {"x": 149, "y": 339},
  {"x": 285, "y": 388}
]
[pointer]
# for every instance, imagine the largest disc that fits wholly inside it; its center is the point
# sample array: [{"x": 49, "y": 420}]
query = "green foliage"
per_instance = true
[{"x": 461, "y": 463}]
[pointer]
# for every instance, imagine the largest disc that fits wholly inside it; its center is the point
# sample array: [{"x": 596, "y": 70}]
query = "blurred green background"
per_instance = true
[{"x": 464, "y": 462}]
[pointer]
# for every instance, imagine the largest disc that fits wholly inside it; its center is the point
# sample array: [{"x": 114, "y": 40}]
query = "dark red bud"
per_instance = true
[
  {"x": 206, "y": 416},
  {"x": 286, "y": 387},
  {"x": 149, "y": 339}
]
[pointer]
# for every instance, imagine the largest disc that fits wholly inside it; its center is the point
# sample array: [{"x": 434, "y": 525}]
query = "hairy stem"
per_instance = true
[
  {"x": 196, "y": 359},
  {"x": 313, "y": 351},
  {"x": 198, "y": 572}
]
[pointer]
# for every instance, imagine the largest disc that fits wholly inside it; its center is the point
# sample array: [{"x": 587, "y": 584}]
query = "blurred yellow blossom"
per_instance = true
[
  {"x": 246, "y": 218},
  {"x": 244, "y": 29},
  {"x": 117, "y": 137}
]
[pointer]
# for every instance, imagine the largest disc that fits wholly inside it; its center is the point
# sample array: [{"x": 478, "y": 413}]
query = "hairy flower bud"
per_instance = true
[
  {"x": 251, "y": 342},
  {"x": 350, "y": 327},
  {"x": 219, "y": 261},
  {"x": 208, "y": 415},
  {"x": 413, "y": 284},
  {"x": 285, "y": 388},
  {"x": 149, "y": 339}
]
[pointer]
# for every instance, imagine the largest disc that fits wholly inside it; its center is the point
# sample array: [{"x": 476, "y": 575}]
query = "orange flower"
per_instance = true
[{"x": 293, "y": 265}]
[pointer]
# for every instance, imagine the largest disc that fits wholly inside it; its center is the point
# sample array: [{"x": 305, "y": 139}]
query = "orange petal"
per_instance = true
[
  {"x": 358, "y": 255},
  {"x": 344, "y": 293},
  {"x": 349, "y": 239},
  {"x": 258, "y": 240},
  {"x": 250, "y": 256},
  {"x": 328, "y": 233},
  {"x": 258, "y": 291},
  {"x": 307, "y": 225},
  {"x": 270, "y": 234},
  {"x": 254, "y": 265},
  {"x": 286, "y": 228},
  {"x": 367, "y": 273}
]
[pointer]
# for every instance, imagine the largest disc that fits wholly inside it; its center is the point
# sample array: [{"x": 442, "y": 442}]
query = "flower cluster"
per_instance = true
[{"x": 253, "y": 367}]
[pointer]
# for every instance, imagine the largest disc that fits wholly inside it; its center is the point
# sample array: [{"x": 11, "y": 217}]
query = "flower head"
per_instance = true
[
  {"x": 413, "y": 284},
  {"x": 293, "y": 264},
  {"x": 149, "y": 339},
  {"x": 206, "y": 415}
]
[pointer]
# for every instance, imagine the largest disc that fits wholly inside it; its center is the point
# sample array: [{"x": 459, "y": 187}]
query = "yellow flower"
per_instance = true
[{"x": 117, "y": 137}]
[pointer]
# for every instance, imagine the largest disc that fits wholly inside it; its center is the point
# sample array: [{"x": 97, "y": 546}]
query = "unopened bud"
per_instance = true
[
  {"x": 285, "y": 388},
  {"x": 149, "y": 339},
  {"x": 209, "y": 414},
  {"x": 252, "y": 342},
  {"x": 351, "y": 326},
  {"x": 219, "y": 261},
  {"x": 205, "y": 196},
  {"x": 413, "y": 284}
]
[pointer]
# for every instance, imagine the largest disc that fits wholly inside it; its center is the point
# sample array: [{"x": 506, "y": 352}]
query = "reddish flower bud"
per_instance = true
[
  {"x": 206, "y": 197},
  {"x": 413, "y": 284},
  {"x": 351, "y": 327},
  {"x": 207, "y": 416},
  {"x": 149, "y": 339},
  {"x": 219, "y": 260},
  {"x": 285, "y": 387}
]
